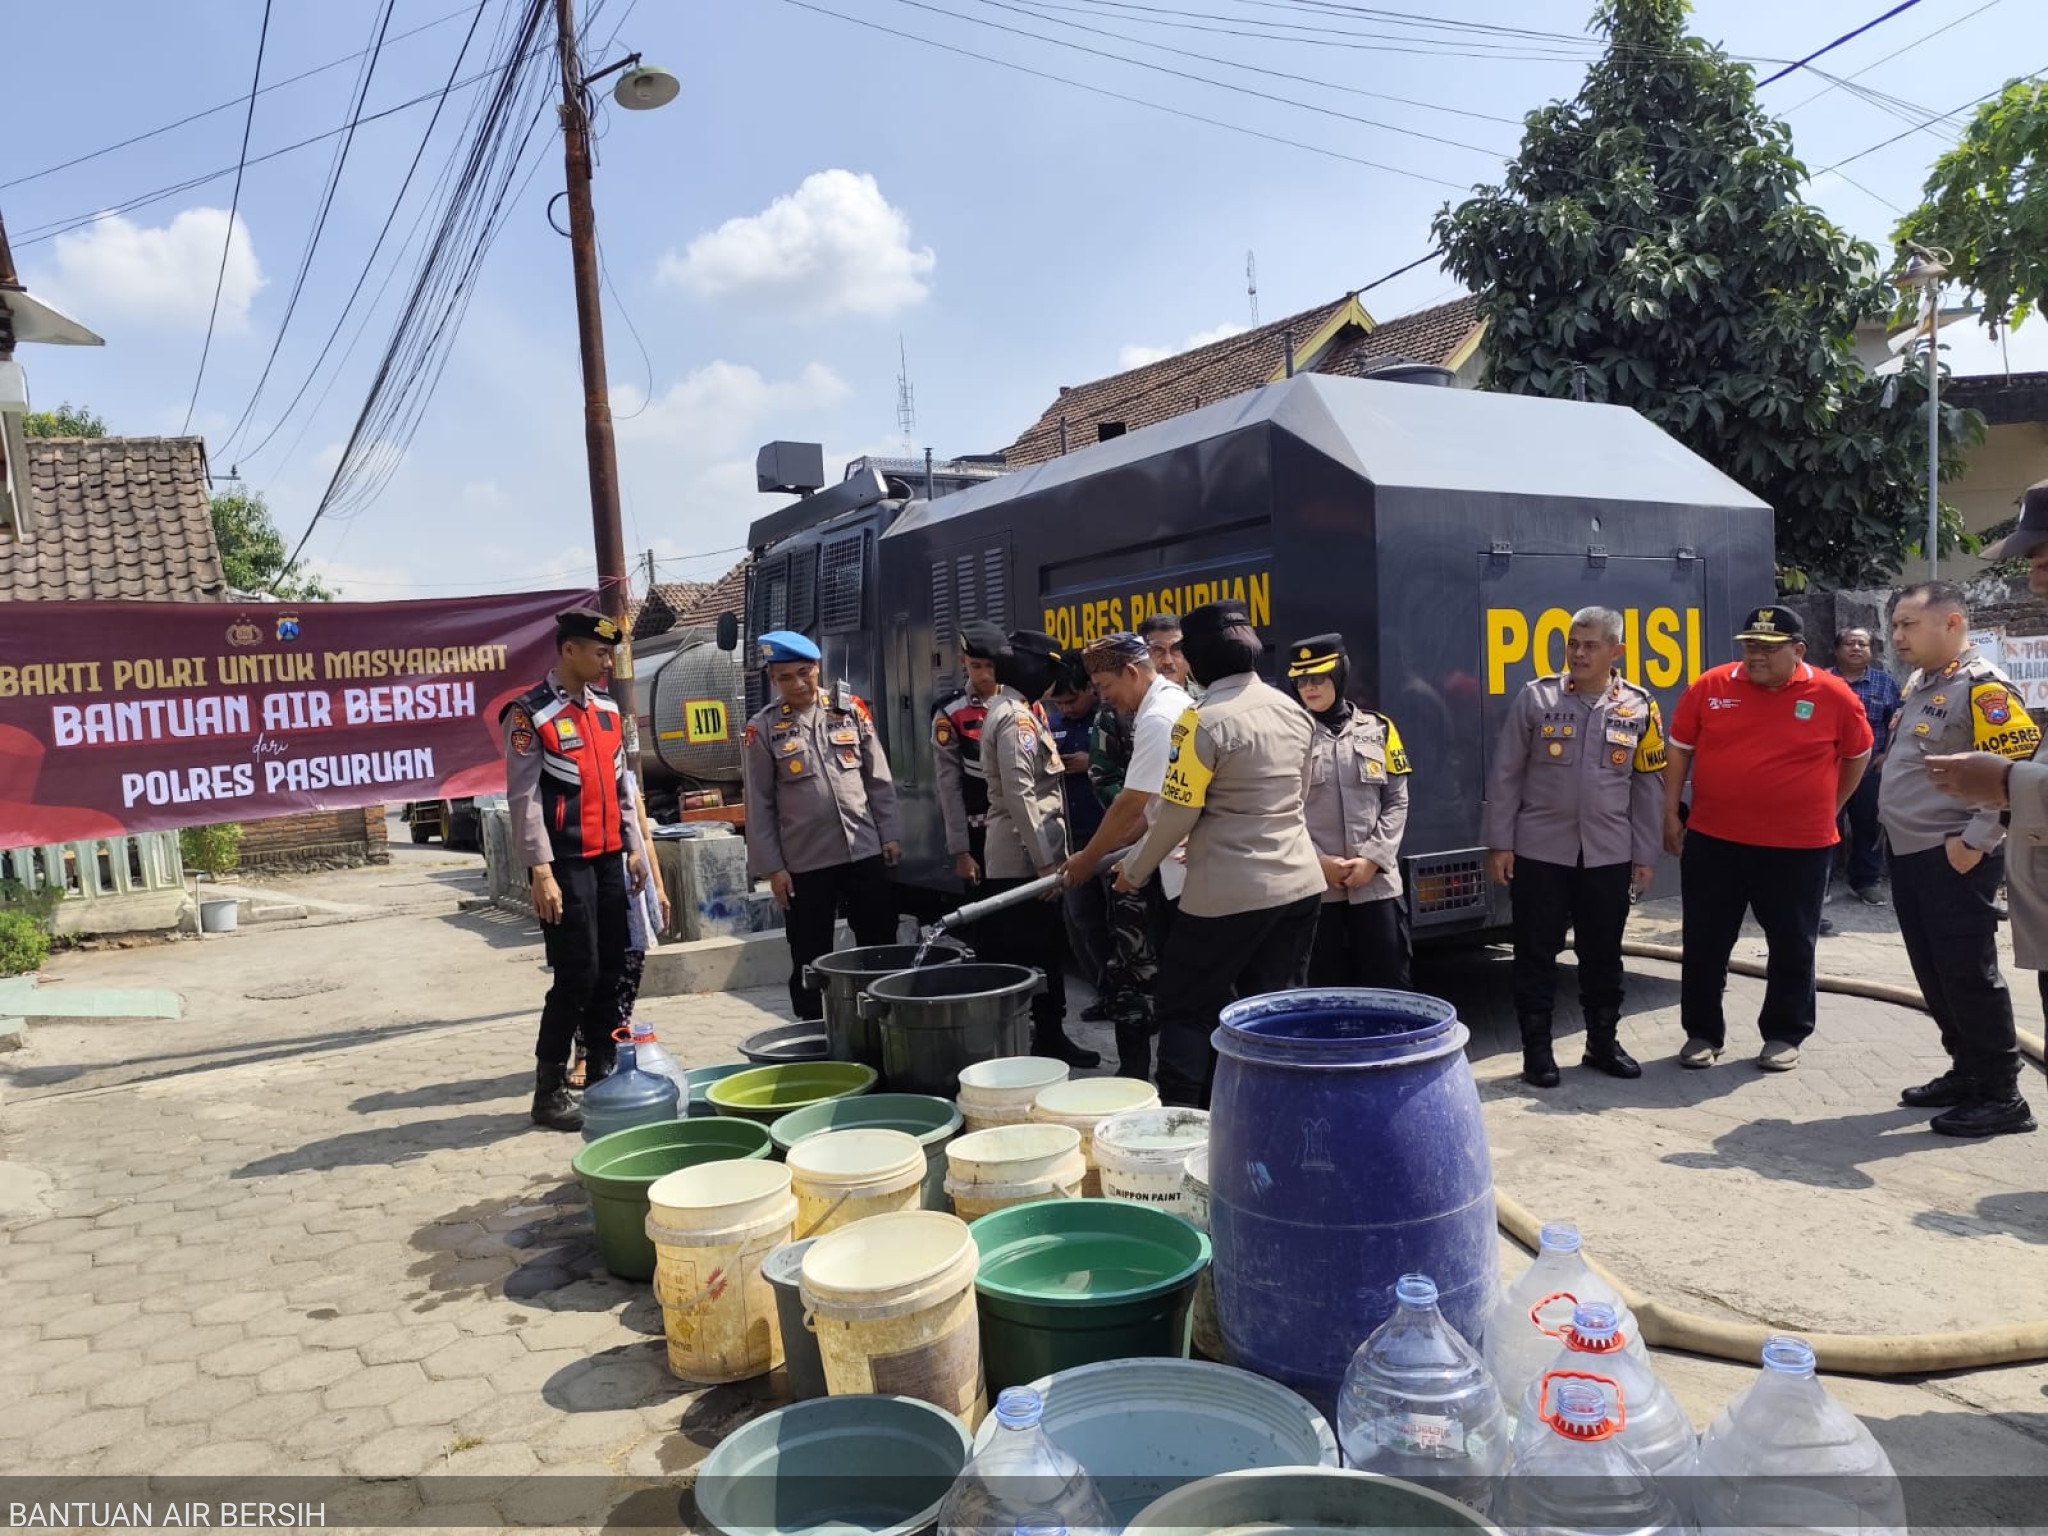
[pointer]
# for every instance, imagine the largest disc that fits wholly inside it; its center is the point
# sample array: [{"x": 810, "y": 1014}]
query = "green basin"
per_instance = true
[
  {"x": 934, "y": 1122},
  {"x": 701, "y": 1079},
  {"x": 619, "y": 1169},
  {"x": 1065, "y": 1283},
  {"x": 767, "y": 1094}
]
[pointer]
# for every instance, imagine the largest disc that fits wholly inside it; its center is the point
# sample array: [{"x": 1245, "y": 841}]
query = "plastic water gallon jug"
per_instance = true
[
  {"x": 1417, "y": 1403},
  {"x": 1022, "y": 1481},
  {"x": 649, "y": 1054},
  {"x": 1521, "y": 1336},
  {"x": 1787, "y": 1457},
  {"x": 1653, "y": 1427},
  {"x": 628, "y": 1097},
  {"x": 1579, "y": 1477}
]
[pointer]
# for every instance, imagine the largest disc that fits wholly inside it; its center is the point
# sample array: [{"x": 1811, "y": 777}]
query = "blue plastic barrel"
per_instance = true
[{"x": 1346, "y": 1149}]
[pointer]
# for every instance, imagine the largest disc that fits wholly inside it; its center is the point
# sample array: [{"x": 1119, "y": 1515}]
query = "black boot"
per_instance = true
[
  {"x": 1993, "y": 1111},
  {"x": 1051, "y": 1040},
  {"x": 1944, "y": 1092},
  {"x": 552, "y": 1105},
  {"x": 1539, "y": 1066},
  {"x": 1133, "y": 1051},
  {"x": 1603, "y": 1046}
]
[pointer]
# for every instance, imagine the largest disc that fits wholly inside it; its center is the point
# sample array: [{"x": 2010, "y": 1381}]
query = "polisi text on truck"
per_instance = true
[{"x": 1663, "y": 646}]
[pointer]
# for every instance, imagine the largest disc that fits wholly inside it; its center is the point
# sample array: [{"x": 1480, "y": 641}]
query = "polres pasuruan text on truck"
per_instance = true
[{"x": 1448, "y": 534}]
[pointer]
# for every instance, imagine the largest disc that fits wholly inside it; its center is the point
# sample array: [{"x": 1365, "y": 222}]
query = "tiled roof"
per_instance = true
[
  {"x": 728, "y": 594},
  {"x": 114, "y": 518},
  {"x": 655, "y": 614},
  {"x": 1172, "y": 386},
  {"x": 2005, "y": 399}
]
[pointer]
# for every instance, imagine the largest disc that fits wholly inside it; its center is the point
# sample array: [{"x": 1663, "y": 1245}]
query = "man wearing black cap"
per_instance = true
[
  {"x": 956, "y": 750},
  {"x": 1235, "y": 792},
  {"x": 1774, "y": 748},
  {"x": 1990, "y": 778},
  {"x": 1027, "y": 830},
  {"x": 565, "y": 780}
]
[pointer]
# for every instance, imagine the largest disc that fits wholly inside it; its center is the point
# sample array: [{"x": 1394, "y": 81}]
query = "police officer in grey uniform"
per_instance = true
[
  {"x": 1235, "y": 791},
  {"x": 956, "y": 751},
  {"x": 1575, "y": 821},
  {"x": 821, "y": 812},
  {"x": 1357, "y": 814},
  {"x": 1027, "y": 831}
]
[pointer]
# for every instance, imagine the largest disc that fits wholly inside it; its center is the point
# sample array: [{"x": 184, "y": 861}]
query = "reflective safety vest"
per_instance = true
[{"x": 582, "y": 769}]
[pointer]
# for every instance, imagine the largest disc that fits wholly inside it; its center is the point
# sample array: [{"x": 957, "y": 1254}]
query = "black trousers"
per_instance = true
[
  {"x": 861, "y": 892},
  {"x": 1361, "y": 944},
  {"x": 587, "y": 952},
  {"x": 1950, "y": 925},
  {"x": 1207, "y": 962},
  {"x": 1030, "y": 933},
  {"x": 1863, "y": 834},
  {"x": 1717, "y": 882},
  {"x": 1593, "y": 905}
]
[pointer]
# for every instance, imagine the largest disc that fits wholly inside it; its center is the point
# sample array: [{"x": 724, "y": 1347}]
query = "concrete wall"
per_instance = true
[
  {"x": 316, "y": 840},
  {"x": 1995, "y": 601}
]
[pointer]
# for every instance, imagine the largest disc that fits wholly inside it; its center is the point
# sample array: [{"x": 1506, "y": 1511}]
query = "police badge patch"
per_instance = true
[
  {"x": 942, "y": 731},
  {"x": 520, "y": 734},
  {"x": 1995, "y": 705}
]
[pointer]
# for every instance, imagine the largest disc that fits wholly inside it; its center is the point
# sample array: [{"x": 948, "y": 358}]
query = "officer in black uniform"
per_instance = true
[{"x": 565, "y": 778}]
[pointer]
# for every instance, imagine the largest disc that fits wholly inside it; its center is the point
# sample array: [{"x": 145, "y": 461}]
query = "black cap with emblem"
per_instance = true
[
  {"x": 1028, "y": 662},
  {"x": 1315, "y": 656},
  {"x": 1771, "y": 625},
  {"x": 586, "y": 624},
  {"x": 982, "y": 640},
  {"x": 2031, "y": 532}
]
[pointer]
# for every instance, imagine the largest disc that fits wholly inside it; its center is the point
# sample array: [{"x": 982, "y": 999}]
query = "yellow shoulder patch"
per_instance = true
[
  {"x": 1650, "y": 745},
  {"x": 1187, "y": 776},
  {"x": 1999, "y": 722},
  {"x": 1397, "y": 755}
]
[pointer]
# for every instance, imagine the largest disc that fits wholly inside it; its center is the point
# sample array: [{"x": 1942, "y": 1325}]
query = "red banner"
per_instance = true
[{"x": 138, "y": 717}]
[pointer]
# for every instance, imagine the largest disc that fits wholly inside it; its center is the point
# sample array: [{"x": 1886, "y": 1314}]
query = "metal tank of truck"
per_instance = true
[
  {"x": 692, "y": 697},
  {"x": 1448, "y": 533}
]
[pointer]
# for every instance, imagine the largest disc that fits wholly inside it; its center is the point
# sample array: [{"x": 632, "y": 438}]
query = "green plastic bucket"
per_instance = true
[
  {"x": 1070, "y": 1282},
  {"x": 701, "y": 1079},
  {"x": 934, "y": 1122},
  {"x": 865, "y": 1466},
  {"x": 766, "y": 1094},
  {"x": 619, "y": 1169},
  {"x": 1306, "y": 1501}
]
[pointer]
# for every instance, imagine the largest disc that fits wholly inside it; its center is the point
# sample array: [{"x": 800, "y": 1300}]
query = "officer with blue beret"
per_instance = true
[{"x": 821, "y": 811}]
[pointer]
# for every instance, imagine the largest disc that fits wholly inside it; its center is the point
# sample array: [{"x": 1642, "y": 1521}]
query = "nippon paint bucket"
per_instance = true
[
  {"x": 1014, "y": 1165},
  {"x": 840, "y": 1177},
  {"x": 1084, "y": 1103},
  {"x": 1142, "y": 1155},
  {"x": 1206, "y": 1338},
  {"x": 1000, "y": 1092},
  {"x": 891, "y": 1300},
  {"x": 711, "y": 1227}
]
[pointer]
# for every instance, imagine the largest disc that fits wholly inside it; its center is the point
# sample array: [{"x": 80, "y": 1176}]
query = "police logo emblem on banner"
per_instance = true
[
  {"x": 287, "y": 626},
  {"x": 242, "y": 632},
  {"x": 1803, "y": 710}
]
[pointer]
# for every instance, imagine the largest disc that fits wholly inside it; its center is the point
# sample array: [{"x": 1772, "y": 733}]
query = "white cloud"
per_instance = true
[
  {"x": 834, "y": 246},
  {"x": 1137, "y": 356},
  {"x": 711, "y": 412},
  {"x": 166, "y": 275}
]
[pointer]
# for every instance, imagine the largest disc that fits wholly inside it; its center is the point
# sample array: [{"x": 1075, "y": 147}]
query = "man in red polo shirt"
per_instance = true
[{"x": 1774, "y": 748}]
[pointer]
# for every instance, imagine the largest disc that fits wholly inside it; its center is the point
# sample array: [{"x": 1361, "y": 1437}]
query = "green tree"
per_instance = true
[
  {"x": 1649, "y": 247},
  {"x": 65, "y": 421},
  {"x": 252, "y": 551},
  {"x": 1986, "y": 202}
]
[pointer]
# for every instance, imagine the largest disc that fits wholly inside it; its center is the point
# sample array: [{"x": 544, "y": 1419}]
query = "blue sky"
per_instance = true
[{"x": 819, "y": 190}]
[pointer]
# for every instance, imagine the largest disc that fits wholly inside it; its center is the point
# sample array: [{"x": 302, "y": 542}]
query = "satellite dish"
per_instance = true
[{"x": 647, "y": 87}]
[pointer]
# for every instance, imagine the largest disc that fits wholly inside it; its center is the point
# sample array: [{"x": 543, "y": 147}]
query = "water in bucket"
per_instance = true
[
  {"x": 1024, "y": 1481},
  {"x": 1417, "y": 1403}
]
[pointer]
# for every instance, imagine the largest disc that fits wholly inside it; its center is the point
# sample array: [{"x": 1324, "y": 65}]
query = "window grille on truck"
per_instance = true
[
  {"x": 842, "y": 568},
  {"x": 1448, "y": 886}
]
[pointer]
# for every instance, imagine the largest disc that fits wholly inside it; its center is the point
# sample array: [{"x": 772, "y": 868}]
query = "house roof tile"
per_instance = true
[{"x": 114, "y": 517}]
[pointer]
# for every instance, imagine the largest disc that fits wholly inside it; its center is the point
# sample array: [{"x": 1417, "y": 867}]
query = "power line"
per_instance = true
[
  {"x": 1834, "y": 84},
  {"x": 291, "y": 307},
  {"x": 1324, "y": 37},
  {"x": 193, "y": 117},
  {"x": 1875, "y": 21},
  {"x": 227, "y": 243},
  {"x": 1136, "y": 101},
  {"x": 1887, "y": 143}
]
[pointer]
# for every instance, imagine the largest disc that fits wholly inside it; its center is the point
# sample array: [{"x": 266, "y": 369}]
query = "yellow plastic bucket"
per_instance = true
[
  {"x": 711, "y": 1227},
  {"x": 1085, "y": 1103},
  {"x": 1014, "y": 1165},
  {"x": 892, "y": 1302},
  {"x": 1000, "y": 1092},
  {"x": 841, "y": 1177}
]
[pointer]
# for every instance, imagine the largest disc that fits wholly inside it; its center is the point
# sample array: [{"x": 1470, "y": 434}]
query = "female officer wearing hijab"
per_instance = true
[
  {"x": 1357, "y": 811},
  {"x": 1235, "y": 786}
]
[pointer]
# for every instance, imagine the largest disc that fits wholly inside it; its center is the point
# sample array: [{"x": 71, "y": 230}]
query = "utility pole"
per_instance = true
[{"x": 597, "y": 405}]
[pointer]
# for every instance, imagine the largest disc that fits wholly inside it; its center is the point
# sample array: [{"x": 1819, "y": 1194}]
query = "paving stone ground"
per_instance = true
[{"x": 307, "y": 1229}]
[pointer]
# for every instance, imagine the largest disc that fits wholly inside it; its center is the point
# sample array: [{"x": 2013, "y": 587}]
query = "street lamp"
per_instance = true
[
  {"x": 1925, "y": 269},
  {"x": 640, "y": 88}
]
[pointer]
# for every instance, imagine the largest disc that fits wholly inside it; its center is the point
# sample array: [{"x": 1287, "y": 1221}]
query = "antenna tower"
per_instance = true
[
  {"x": 1251, "y": 282},
  {"x": 906, "y": 398}
]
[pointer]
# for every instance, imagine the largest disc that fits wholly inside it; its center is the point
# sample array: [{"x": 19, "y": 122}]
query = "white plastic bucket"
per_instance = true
[
  {"x": 1085, "y": 1103},
  {"x": 1014, "y": 1165},
  {"x": 1000, "y": 1092},
  {"x": 841, "y": 1177},
  {"x": 1143, "y": 1155},
  {"x": 1208, "y": 1338},
  {"x": 711, "y": 1227},
  {"x": 220, "y": 916},
  {"x": 891, "y": 1300}
]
